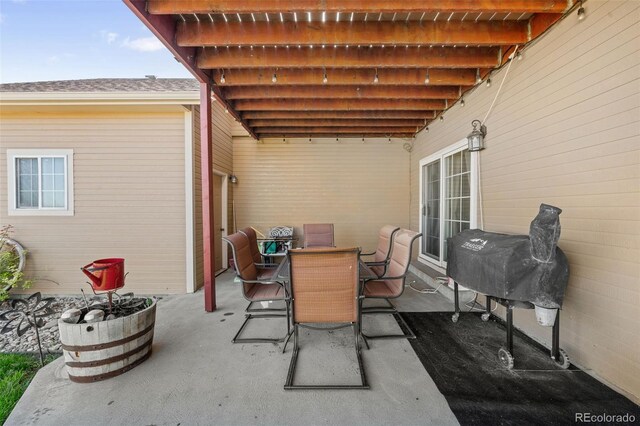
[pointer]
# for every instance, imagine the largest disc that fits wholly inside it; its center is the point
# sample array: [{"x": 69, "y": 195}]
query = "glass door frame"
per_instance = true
[{"x": 440, "y": 264}]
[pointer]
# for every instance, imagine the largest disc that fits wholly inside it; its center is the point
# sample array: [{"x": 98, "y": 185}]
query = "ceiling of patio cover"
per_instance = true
[{"x": 303, "y": 68}]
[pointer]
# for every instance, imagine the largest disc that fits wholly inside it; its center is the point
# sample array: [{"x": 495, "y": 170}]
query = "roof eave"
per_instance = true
[{"x": 100, "y": 98}]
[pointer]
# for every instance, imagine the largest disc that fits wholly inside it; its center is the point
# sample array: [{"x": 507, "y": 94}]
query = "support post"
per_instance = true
[
  {"x": 555, "y": 339},
  {"x": 206, "y": 156},
  {"x": 510, "y": 329}
]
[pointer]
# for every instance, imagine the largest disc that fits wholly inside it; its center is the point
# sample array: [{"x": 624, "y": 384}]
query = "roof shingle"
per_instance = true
[{"x": 106, "y": 85}]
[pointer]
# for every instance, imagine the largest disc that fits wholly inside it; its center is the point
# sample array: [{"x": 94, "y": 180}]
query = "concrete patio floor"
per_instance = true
[{"x": 196, "y": 376}]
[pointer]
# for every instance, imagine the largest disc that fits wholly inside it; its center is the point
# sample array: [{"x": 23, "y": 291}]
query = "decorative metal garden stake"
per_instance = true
[{"x": 25, "y": 314}]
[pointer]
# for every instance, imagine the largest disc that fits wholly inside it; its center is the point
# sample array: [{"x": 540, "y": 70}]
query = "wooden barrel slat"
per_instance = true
[
  {"x": 105, "y": 349},
  {"x": 114, "y": 373},
  {"x": 107, "y": 345}
]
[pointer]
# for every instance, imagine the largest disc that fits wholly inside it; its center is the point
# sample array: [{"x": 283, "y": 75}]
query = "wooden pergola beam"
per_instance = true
[
  {"x": 540, "y": 22},
  {"x": 341, "y": 77},
  {"x": 164, "y": 28},
  {"x": 358, "y": 6},
  {"x": 276, "y": 91},
  {"x": 333, "y": 130},
  {"x": 207, "y": 194},
  {"x": 349, "y": 57},
  {"x": 487, "y": 33},
  {"x": 329, "y": 114},
  {"x": 338, "y": 104},
  {"x": 336, "y": 122},
  {"x": 336, "y": 135}
]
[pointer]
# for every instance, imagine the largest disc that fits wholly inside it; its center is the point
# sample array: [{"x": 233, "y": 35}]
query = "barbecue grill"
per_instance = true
[{"x": 517, "y": 271}]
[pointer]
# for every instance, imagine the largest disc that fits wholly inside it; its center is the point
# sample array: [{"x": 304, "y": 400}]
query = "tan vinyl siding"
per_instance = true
[
  {"x": 566, "y": 131},
  {"x": 222, "y": 161},
  {"x": 358, "y": 187},
  {"x": 129, "y": 197}
]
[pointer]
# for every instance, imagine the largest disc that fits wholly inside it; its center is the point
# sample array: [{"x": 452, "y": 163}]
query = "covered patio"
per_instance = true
[{"x": 328, "y": 69}]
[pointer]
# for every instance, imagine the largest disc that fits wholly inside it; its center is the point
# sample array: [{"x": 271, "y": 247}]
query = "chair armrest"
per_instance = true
[
  {"x": 267, "y": 265},
  {"x": 392, "y": 278},
  {"x": 261, "y": 282},
  {"x": 375, "y": 263}
]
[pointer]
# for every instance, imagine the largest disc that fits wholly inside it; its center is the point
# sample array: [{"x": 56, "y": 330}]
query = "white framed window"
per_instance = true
[
  {"x": 448, "y": 199},
  {"x": 40, "y": 182}
]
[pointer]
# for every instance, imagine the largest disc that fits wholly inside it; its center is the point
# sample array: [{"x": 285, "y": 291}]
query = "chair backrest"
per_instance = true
[
  {"x": 245, "y": 268},
  {"x": 324, "y": 285},
  {"x": 253, "y": 244},
  {"x": 400, "y": 259},
  {"x": 383, "y": 250},
  {"x": 318, "y": 235}
]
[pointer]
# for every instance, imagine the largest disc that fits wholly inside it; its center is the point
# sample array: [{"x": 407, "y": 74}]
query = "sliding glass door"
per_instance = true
[
  {"x": 431, "y": 210},
  {"x": 448, "y": 200}
]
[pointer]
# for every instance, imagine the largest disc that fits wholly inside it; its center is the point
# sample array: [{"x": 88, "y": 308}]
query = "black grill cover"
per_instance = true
[{"x": 514, "y": 267}]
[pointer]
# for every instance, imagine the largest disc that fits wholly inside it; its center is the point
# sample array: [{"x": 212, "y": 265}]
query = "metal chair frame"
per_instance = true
[
  {"x": 253, "y": 313},
  {"x": 391, "y": 309},
  {"x": 289, "y": 385},
  {"x": 384, "y": 263}
]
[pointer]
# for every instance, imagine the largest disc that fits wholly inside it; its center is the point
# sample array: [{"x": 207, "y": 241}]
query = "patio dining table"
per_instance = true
[{"x": 282, "y": 272}]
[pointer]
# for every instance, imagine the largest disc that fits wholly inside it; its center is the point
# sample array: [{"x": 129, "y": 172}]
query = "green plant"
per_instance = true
[
  {"x": 11, "y": 274},
  {"x": 16, "y": 371}
]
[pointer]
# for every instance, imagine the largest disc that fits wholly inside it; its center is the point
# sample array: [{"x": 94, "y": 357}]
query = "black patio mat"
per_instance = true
[{"x": 462, "y": 360}]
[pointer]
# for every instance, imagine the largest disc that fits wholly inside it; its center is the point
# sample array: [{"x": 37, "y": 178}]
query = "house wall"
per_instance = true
[
  {"x": 358, "y": 187},
  {"x": 565, "y": 131},
  {"x": 129, "y": 180},
  {"x": 222, "y": 161}
]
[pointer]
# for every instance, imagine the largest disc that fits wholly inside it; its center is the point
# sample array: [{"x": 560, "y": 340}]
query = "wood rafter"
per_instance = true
[
  {"x": 350, "y": 57},
  {"x": 351, "y": 33},
  {"x": 333, "y": 130},
  {"x": 318, "y": 115},
  {"x": 342, "y": 92},
  {"x": 341, "y": 77},
  {"x": 338, "y": 104},
  {"x": 336, "y": 135},
  {"x": 336, "y": 123},
  {"x": 359, "y": 6}
]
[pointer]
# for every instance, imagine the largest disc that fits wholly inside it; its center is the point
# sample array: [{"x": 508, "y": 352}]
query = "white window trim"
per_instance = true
[
  {"x": 189, "y": 166},
  {"x": 452, "y": 149},
  {"x": 13, "y": 209}
]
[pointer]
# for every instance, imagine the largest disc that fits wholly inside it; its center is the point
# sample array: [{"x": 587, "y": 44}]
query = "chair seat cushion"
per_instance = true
[
  {"x": 377, "y": 269},
  {"x": 379, "y": 289},
  {"x": 265, "y": 274},
  {"x": 258, "y": 292}
]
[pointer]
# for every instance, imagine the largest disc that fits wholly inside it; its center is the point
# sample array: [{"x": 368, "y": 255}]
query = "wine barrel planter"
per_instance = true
[{"x": 105, "y": 349}]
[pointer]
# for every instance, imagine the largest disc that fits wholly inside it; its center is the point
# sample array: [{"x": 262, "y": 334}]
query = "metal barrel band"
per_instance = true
[
  {"x": 97, "y": 363},
  {"x": 99, "y": 377},
  {"x": 109, "y": 344}
]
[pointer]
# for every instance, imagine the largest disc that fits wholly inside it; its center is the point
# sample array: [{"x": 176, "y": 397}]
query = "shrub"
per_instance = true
[{"x": 10, "y": 273}]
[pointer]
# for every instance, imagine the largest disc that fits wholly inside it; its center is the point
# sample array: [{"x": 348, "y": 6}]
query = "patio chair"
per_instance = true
[
  {"x": 383, "y": 252},
  {"x": 265, "y": 270},
  {"x": 325, "y": 288},
  {"x": 392, "y": 283},
  {"x": 255, "y": 289},
  {"x": 318, "y": 235}
]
